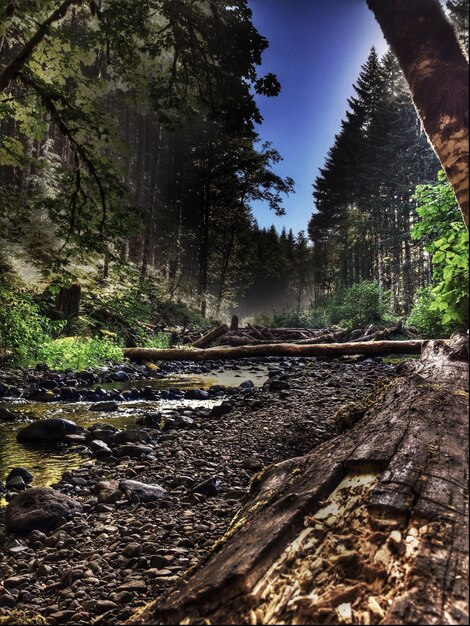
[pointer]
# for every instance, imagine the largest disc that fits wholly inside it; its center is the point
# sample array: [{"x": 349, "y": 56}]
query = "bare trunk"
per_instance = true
[{"x": 437, "y": 73}]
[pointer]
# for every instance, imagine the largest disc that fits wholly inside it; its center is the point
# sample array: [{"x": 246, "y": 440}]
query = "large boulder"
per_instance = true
[
  {"x": 48, "y": 430},
  {"x": 40, "y": 508}
]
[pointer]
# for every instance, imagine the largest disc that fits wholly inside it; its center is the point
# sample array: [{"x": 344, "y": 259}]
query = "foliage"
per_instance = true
[
  {"x": 362, "y": 304},
  {"x": 78, "y": 352},
  {"x": 426, "y": 319},
  {"x": 446, "y": 239},
  {"x": 22, "y": 327}
]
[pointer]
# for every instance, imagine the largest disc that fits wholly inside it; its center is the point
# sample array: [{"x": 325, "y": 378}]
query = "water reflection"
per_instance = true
[{"x": 48, "y": 465}]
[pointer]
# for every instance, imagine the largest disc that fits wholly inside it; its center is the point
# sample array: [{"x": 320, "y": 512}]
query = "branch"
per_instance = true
[
  {"x": 13, "y": 69},
  {"x": 48, "y": 100}
]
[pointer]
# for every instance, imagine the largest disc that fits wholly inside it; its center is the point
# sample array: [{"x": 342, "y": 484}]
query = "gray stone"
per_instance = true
[{"x": 145, "y": 493}]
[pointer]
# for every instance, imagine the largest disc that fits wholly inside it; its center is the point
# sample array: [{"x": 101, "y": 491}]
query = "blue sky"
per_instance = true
[{"x": 316, "y": 49}]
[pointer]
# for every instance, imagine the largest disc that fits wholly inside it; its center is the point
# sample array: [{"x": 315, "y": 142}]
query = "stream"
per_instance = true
[{"x": 48, "y": 464}]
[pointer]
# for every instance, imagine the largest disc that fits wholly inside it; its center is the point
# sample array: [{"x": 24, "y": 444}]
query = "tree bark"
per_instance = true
[
  {"x": 436, "y": 70},
  {"x": 278, "y": 349},
  {"x": 370, "y": 527}
]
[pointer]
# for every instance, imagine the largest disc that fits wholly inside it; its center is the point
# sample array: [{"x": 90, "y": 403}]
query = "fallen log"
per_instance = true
[
  {"x": 370, "y": 527},
  {"x": 277, "y": 349},
  {"x": 210, "y": 337}
]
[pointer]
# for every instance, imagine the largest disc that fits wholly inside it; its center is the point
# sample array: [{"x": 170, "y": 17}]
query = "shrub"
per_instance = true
[
  {"x": 446, "y": 239},
  {"x": 22, "y": 328},
  {"x": 362, "y": 304},
  {"x": 426, "y": 319}
]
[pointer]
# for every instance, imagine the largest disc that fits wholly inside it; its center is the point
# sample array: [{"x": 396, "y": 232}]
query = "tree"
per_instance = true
[{"x": 437, "y": 73}]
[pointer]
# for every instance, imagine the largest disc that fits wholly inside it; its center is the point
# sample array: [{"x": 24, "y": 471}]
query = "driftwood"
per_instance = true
[
  {"x": 370, "y": 527},
  {"x": 256, "y": 335},
  {"x": 279, "y": 349},
  {"x": 210, "y": 337}
]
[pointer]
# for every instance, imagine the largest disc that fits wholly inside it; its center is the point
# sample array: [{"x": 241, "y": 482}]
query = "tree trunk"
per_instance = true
[
  {"x": 370, "y": 527},
  {"x": 67, "y": 302},
  {"x": 277, "y": 349},
  {"x": 437, "y": 73}
]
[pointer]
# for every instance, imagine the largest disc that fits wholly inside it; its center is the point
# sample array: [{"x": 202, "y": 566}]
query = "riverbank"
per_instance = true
[{"x": 122, "y": 552}]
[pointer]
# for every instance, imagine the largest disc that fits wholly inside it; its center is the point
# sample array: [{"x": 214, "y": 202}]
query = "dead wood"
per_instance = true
[
  {"x": 369, "y": 527},
  {"x": 210, "y": 337},
  {"x": 279, "y": 349}
]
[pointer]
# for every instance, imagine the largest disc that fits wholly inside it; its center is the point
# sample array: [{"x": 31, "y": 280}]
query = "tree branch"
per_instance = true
[{"x": 15, "y": 66}]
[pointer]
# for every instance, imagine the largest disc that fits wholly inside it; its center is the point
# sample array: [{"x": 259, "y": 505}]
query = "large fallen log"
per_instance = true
[
  {"x": 279, "y": 349},
  {"x": 371, "y": 527}
]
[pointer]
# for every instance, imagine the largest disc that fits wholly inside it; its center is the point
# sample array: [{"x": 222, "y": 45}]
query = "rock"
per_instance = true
[
  {"x": 145, "y": 493},
  {"x": 151, "y": 420},
  {"x": 182, "y": 421},
  {"x": 22, "y": 472},
  {"x": 247, "y": 384},
  {"x": 7, "y": 416},
  {"x": 278, "y": 385},
  {"x": 89, "y": 377},
  {"x": 16, "y": 581},
  {"x": 70, "y": 393},
  {"x": 7, "y": 600},
  {"x": 110, "y": 405},
  {"x": 221, "y": 409},
  {"x": 209, "y": 487},
  {"x": 39, "y": 508},
  {"x": 105, "y": 435},
  {"x": 48, "y": 430},
  {"x": 132, "y": 435},
  {"x": 136, "y": 585},
  {"x": 133, "y": 450},
  {"x": 102, "y": 606},
  {"x": 132, "y": 549},
  {"x": 197, "y": 394},
  {"x": 109, "y": 496},
  {"x": 16, "y": 483},
  {"x": 119, "y": 376},
  {"x": 100, "y": 449}
]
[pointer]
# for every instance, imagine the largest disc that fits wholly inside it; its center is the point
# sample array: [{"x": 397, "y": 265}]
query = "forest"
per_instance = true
[{"x": 204, "y": 418}]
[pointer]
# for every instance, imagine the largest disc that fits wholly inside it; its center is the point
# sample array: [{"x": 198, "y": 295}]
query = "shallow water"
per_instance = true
[{"x": 48, "y": 464}]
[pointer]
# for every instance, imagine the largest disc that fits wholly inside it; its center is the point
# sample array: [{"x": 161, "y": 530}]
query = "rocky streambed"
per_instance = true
[{"x": 149, "y": 500}]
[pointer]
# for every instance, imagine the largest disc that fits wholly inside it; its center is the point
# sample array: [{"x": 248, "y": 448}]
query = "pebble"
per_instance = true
[{"x": 126, "y": 550}]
